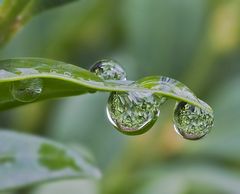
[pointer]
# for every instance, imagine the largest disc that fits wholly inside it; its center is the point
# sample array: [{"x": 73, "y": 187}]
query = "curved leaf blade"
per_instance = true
[
  {"x": 61, "y": 79},
  {"x": 31, "y": 160}
]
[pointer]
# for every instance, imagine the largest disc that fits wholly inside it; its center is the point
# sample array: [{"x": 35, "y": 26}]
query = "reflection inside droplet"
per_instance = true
[
  {"x": 133, "y": 113},
  {"x": 108, "y": 70},
  {"x": 192, "y": 122}
]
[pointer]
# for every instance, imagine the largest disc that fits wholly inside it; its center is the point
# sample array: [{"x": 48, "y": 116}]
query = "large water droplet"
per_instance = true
[
  {"x": 133, "y": 113},
  {"x": 192, "y": 122},
  {"x": 27, "y": 90},
  {"x": 108, "y": 70}
]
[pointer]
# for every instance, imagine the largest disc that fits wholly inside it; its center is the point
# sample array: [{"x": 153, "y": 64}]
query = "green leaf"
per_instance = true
[
  {"x": 59, "y": 79},
  {"x": 27, "y": 160}
]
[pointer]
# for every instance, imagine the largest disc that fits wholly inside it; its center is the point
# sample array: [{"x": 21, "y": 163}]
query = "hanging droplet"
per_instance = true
[
  {"x": 27, "y": 90},
  {"x": 133, "y": 113},
  {"x": 108, "y": 70},
  {"x": 192, "y": 122}
]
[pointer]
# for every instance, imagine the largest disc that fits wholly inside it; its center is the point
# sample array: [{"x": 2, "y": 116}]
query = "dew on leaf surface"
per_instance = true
[
  {"x": 108, "y": 70},
  {"x": 27, "y": 90}
]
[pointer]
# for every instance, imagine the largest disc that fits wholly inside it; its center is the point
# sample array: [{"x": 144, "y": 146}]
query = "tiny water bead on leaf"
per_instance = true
[
  {"x": 108, "y": 70},
  {"x": 133, "y": 113},
  {"x": 27, "y": 90},
  {"x": 192, "y": 122}
]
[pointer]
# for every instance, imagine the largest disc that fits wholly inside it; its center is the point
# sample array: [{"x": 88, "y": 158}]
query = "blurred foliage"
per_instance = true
[
  {"x": 14, "y": 14},
  {"x": 26, "y": 160},
  {"x": 197, "y": 42}
]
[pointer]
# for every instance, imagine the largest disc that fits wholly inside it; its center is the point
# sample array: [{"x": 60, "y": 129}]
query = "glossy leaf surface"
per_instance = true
[{"x": 60, "y": 79}]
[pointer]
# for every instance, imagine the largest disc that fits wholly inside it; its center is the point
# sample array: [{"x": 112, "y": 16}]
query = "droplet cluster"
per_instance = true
[{"x": 134, "y": 113}]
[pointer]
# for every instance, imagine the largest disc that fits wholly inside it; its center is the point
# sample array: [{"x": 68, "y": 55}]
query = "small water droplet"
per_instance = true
[
  {"x": 192, "y": 122},
  {"x": 67, "y": 74},
  {"x": 27, "y": 90},
  {"x": 108, "y": 70},
  {"x": 54, "y": 71},
  {"x": 133, "y": 113}
]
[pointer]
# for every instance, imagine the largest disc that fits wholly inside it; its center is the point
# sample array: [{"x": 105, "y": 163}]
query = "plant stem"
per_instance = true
[{"x": 10, "y": 18}]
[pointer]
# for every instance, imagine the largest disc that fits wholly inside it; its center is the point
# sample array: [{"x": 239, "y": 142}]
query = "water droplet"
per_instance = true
[
  {"x": 108, "y": 70},
  {"x": 67, "y": 74},
  {"x": 192, "y": 122},
  {"x": 54, "y": 71},
  {"x": 27, "y": 90},
  {"x": 133, "y": 113}
]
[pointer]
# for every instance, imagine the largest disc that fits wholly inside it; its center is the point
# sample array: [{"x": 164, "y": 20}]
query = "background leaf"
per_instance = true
[
  {"x": 26, "y": 160},
  {"x": 191, "y": 178},
  {"x": 71, "y": 186},
  {"x": 14, "y": 14}
]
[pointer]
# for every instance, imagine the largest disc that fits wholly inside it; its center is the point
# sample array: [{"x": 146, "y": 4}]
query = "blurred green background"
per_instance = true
[{"x": 196, "y": 42}]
